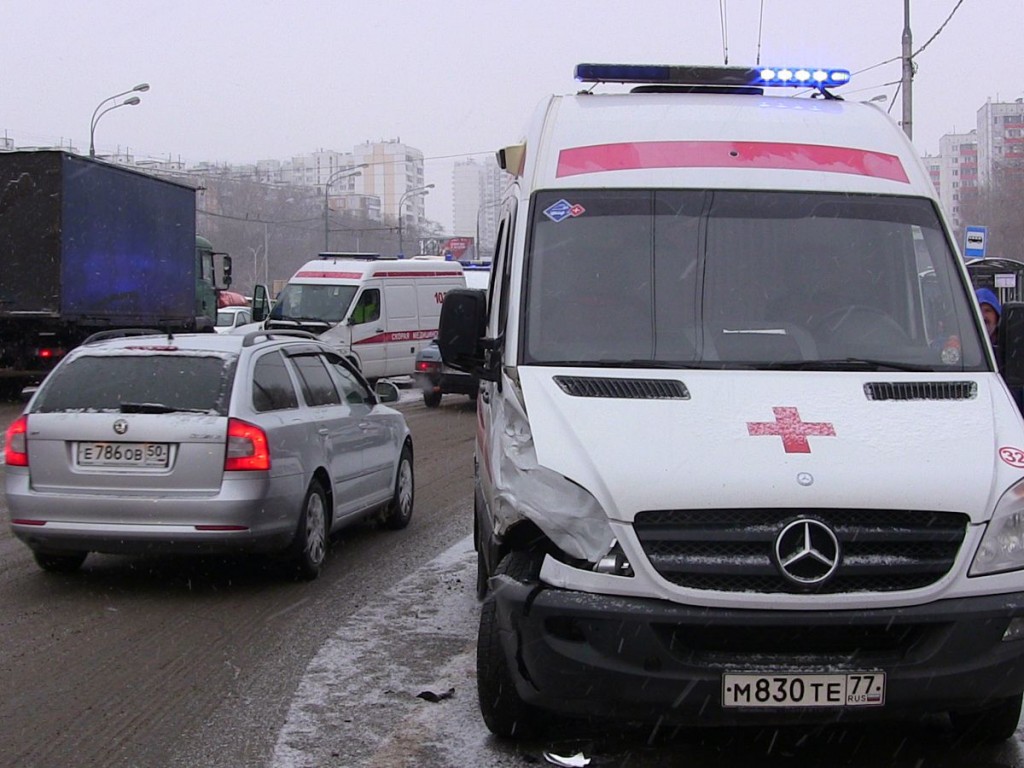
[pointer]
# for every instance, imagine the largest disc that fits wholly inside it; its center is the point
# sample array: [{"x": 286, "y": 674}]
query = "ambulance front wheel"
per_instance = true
[{"x": 505, "y": 714}]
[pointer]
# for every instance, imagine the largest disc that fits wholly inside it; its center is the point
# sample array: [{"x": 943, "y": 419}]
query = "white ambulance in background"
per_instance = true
[
  {"x": 743, "y": 453},
  {"x": 376, "y": 311}
]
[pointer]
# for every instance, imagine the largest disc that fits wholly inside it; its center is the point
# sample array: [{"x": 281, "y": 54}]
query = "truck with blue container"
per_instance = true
[{"x": 87, "y": 246}]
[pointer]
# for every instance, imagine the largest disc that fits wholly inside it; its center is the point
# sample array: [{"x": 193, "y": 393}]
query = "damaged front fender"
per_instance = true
[{"x": 567, "y": 513}]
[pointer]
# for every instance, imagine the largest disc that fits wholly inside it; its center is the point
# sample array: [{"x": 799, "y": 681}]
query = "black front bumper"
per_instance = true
[{"x": 595, "y": 655}]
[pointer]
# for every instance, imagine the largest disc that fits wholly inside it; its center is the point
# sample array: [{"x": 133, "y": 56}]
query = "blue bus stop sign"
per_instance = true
[{"x": 974, "y": 242}]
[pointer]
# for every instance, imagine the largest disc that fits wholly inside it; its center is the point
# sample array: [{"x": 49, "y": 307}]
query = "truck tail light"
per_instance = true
[
  {"x": 427, "y": 366},
  {"x": 16, "y": 443},
  {"x": 247, "y": 447}
]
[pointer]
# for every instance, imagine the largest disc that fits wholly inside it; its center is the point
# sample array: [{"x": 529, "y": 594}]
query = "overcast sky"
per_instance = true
[{"x": 238, "y": 82}]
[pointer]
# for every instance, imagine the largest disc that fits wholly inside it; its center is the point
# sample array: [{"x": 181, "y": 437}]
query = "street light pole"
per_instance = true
[
  {"x": 479, "y": 212},
  {"x": 425, "y": 190},
  {"x": 354, "y": 170},
  {"x": 97, "y": 114},
  {"x": 907, "y": 81}
]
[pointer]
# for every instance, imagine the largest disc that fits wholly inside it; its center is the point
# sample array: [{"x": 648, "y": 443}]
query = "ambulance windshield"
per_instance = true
[
  {"x": 744, "y": 279},
  {"x": 313, "y": 302}
]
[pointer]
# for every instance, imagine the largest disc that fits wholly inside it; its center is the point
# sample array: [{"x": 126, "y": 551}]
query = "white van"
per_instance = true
[
  {"x": 743, "y": 452},
  {"x": 376, "y": 311}
]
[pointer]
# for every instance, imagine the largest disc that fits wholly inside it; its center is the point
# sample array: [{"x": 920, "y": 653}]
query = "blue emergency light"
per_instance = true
[{"x": 653, "y": 74}]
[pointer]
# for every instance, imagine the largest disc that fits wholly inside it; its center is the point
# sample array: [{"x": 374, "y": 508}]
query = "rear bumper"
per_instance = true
[
  {"x": 249, "y": 514},
  {"x": 448, "y": 383},
  {"x": 591, "y": 655}
]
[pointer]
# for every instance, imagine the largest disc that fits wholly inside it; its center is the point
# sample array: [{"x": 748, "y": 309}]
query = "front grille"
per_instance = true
[{"x": 730, "y": 550}]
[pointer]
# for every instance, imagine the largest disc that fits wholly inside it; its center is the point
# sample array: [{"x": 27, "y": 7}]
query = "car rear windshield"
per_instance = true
[{"x": 144, "y": 382}]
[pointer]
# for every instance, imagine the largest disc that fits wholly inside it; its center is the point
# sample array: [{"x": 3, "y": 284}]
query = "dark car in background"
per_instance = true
[
  {"x": 432, "y": 376},
  {"x": 435, "y": 379}
]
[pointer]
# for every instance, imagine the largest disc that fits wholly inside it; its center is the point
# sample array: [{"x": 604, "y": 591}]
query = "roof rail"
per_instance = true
[
  {"x": 120, "y": 333},
  {"x": 251, "y": 337}
]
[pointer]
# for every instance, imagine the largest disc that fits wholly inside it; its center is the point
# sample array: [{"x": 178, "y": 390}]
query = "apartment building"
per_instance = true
[
  {"x": 969, "y": 162},
  {"x": 957, "y": 173},
  {"x": 1000, "y": 139},
  {"x": 476, "y": 195}
]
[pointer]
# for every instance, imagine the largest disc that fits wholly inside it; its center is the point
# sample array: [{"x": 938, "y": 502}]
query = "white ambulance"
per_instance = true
[
  {"x": 743, "y": 453},
  {"x": 376, "y": 311}
]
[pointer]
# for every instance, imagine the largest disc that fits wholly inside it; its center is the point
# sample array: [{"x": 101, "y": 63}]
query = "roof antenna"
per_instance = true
[
  {"x": 725, "y": 32},
  {"x": 760, "y": 26}
]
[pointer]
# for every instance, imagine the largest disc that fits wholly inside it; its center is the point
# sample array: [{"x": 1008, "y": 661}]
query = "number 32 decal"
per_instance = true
[{"x": 1012, "y": 456}]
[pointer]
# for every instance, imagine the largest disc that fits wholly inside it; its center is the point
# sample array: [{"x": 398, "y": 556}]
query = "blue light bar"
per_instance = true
[{"x": 654, "y": 74}]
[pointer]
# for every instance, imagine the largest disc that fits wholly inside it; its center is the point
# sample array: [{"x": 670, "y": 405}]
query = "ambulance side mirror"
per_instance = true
[
  {"x": 1010, "y": 348},
  {"x": 460, "y": 336}
]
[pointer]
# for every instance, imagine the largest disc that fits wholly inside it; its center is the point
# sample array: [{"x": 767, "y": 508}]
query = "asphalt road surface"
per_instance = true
[{"x": 195, "y": 662}]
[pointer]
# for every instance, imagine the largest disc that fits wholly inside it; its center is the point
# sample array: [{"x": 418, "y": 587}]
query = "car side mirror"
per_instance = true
[
  {"x": 260, "y": 303},
  {"x": 386, "y": 391},
  {"x": 460, "y": 335}
]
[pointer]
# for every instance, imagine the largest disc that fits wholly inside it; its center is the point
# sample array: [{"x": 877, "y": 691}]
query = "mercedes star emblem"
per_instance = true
[{"x": 807, "y": 552}]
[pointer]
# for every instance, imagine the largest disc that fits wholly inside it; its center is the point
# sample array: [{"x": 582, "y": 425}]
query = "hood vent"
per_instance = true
[
  {"x": 921, "y": 390},
  {"x": 631, "y": 389}
]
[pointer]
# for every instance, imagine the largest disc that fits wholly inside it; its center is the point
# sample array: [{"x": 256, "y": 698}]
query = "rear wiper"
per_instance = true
[
  {"x": 157, "y": 408},
  {"x": 848, "y": 364}
]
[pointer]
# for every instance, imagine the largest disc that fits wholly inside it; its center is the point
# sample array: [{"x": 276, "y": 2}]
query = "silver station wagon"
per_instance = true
[{"x": 204, "y": 443}]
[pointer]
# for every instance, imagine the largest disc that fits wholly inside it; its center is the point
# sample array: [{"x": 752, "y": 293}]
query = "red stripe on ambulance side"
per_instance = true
[
  {"x": 382, "y": 338},
  {"x": 634, "y": 155}
]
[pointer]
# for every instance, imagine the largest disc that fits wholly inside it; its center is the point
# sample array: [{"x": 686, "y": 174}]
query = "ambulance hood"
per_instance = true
[{"x": 775, "y": 439}]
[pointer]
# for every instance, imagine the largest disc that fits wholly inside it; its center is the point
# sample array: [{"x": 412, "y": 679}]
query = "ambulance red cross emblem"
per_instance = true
[{"x": 791, "y": 429}]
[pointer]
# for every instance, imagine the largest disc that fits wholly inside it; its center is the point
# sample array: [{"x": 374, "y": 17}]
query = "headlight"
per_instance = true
[{"x": 1002, "y": 546}]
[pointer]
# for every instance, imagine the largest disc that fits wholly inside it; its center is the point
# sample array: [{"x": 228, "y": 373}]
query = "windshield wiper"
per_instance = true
[
  {"x": 848, "y": 364},
  {"x": 157, "y": 408},
  {"x": 297, "y": 320},
  {"x": 660, "y": 364}
]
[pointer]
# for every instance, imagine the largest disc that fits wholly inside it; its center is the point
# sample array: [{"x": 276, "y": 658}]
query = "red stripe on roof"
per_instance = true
[
  {"x": 449, "y": 273},
  {"x": 729, "y": 154},
  {"x": 314, "y": 273},
  {"x": 360, "y": 275}
]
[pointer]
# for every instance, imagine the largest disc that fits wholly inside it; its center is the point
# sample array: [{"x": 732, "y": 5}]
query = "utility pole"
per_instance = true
[{"x": 907, "y": 86}]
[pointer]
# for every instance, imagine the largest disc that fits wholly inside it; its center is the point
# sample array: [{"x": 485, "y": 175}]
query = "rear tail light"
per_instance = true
[
  {"x": 427, "y": 366},
  {"x": 50, "y": 353},
  {"x": 16, "y": 443},
  {"x": 247, "y": 447}
]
